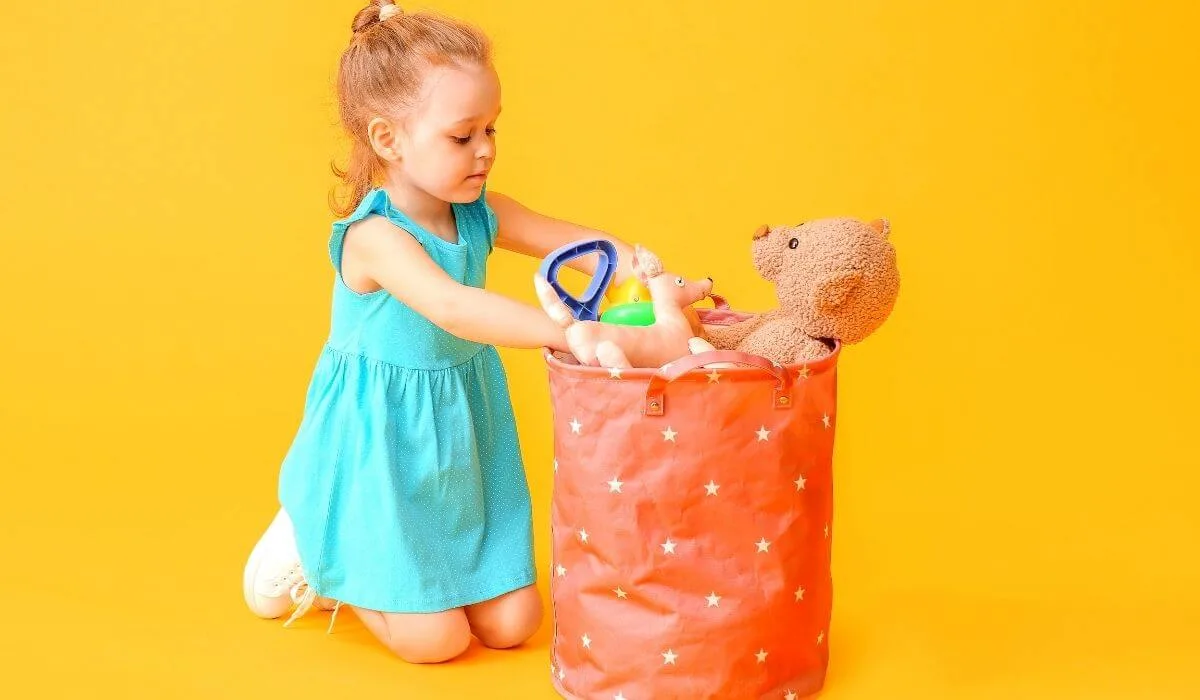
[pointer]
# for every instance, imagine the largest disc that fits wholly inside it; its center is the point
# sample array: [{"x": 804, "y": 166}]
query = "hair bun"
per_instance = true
[
  {"x": 389, "y": 10},
  {"x": 373, "y": 14}
]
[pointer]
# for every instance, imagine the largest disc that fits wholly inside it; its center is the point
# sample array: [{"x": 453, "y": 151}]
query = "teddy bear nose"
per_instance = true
[{"x": 761, "y": 231}]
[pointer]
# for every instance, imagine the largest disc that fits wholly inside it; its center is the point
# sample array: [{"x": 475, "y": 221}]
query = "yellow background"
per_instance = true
[{"x": 1016, "y": 466}]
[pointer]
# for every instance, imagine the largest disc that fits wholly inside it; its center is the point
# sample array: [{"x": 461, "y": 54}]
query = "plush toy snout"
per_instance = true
[{"x": 766, "y": 257}]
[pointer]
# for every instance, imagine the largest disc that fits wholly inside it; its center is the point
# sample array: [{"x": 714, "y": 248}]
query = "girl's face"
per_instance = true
[{"x": 447, "y": 142}]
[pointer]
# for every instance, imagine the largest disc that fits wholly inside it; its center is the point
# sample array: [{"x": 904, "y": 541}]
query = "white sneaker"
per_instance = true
[
  {"x": 273, "y": 580},
  {"x": 273, "y": 570}
]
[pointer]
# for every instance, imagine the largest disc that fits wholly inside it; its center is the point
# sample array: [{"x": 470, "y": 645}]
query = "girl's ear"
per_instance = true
[{"x": 384, "y": 139}]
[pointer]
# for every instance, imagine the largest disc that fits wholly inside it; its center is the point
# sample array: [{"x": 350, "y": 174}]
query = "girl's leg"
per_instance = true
[
  {"x": 507, "y": 621},
  {"x": 419, "y": 638}
]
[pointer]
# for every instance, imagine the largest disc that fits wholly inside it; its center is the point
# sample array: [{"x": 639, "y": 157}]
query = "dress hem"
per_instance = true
[{"x": 453, "y": 602}]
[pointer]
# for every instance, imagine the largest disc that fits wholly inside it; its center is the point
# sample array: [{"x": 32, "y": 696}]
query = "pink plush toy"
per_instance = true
[{"x": 611, "y": 345}]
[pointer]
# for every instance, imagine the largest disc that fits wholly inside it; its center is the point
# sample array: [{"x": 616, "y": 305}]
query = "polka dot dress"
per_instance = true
[{"x": 405, "y": 481}]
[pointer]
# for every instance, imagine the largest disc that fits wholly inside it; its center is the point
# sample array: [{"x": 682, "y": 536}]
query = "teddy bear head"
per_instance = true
[{"x": 836, "y": 278}]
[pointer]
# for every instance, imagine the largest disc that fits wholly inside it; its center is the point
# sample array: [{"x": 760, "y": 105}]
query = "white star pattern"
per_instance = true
[
  {"x": 803, "y": 373},
  {"x": 761, "y": 656},
  {"x": 669, "y": 434},
  {"x": 620, "y": 592},
  {"x": 763, "y": 545},
  {"x": 821, "y": 638},
  {"x": 614, "y": 372},
  {"x": 799, "y": 594},
  {"x": 576, "y": 426},
  {"x": 561, "y": 571},
  {"x": 826, "y": 421},
  {"x": 763, "y": 434},
  {"x": 583, "y": 536},
  {"x": 714, "y": 600},
  {"x": 669, "y": 657},
  {"x": 800, "y": 482},
  {"x": 826, "y": 530},
  {"x": 556, "y": 465},
  {"x": 791, "y": 695},
  {"x": 668, "y": 546},
  {"x": 714, "y": 377},
  {"x": 711, "y": 487},
  {"x": 615, "y": 485},
  {"x": 587, "y": 642}
]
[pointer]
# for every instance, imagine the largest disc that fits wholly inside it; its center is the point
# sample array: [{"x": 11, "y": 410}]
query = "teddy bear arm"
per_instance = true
[
  {"x": 811, "y": 349},
  {"x": 730, "y": 337},
  {"x": 782, "y": 341}
]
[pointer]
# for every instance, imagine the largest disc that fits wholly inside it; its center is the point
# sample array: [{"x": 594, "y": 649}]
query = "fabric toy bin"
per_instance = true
[{"x": 690, "y": 521}]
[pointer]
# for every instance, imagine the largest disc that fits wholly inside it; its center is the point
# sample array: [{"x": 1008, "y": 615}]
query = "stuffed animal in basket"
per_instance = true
[
  {"x": 613, "y": 345},
  {"x": 835, "y": 279}
]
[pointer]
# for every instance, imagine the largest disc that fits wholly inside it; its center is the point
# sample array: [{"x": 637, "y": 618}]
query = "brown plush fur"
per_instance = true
[{"x": 835, "y": 278}]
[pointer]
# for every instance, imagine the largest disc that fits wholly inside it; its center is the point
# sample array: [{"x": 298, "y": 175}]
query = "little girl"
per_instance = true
[{"x": 403, "y": 494}]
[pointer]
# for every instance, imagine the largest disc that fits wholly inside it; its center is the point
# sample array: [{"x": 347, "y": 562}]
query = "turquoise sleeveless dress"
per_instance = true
[{"x": 405, "y": 481}]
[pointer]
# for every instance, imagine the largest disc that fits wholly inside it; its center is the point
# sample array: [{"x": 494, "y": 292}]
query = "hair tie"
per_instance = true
[{"x": 388, "y": 11}]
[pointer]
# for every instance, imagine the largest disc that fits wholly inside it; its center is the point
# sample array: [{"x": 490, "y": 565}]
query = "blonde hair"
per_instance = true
[{"x": 383, "y": 66}]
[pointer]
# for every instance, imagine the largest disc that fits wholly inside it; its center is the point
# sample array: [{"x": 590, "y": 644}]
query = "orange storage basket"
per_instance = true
[{"x": 691, "y": 527}]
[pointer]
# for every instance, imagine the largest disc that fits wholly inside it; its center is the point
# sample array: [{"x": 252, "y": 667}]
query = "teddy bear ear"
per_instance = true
[
  {"x": 761, "y": 231},
  {"x": 882, "y": 227},
  {"x": 836, "y": 290}
]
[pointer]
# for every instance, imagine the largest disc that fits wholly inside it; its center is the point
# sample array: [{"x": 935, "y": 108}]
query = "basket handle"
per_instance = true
[{"x": 656, "y": 391}]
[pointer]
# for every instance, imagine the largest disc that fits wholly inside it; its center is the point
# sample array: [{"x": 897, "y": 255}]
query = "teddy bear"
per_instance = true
[
  {"x": 616, "y": 345},
  {"x": 835, "y": 279}
]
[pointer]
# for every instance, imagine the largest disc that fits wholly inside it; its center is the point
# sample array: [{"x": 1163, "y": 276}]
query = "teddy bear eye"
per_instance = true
[
  {"x": 794, "y": 243},
  {"x": 679, "y": 281}
]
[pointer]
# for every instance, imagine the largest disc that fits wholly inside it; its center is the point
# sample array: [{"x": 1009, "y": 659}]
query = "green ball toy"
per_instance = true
[{"x": 636, "y": 313}]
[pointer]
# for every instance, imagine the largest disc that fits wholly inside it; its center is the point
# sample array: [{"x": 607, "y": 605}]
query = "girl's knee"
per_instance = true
[
  {"x": 430, "y": 640},
  {"x": 508, "y": 621}
]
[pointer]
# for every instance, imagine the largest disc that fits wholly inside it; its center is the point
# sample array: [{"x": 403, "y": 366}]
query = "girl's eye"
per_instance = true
[
  {"x": 464, "y": 140},
  {"x": 679, "y": 282}
]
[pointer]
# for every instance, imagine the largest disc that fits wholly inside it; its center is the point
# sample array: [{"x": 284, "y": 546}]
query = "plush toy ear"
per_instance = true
[
  {"x": 836, "y": 290},
  {"x": 646, "y": 264},
  {"x": 882, "y": 226}
]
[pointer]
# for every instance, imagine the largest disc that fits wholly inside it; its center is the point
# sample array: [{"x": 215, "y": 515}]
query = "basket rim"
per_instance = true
[{"x": 816, "y": 366}]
